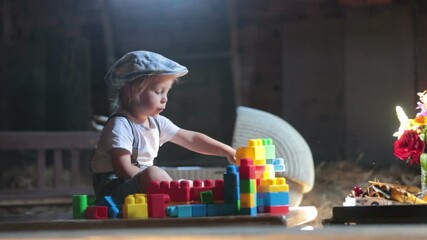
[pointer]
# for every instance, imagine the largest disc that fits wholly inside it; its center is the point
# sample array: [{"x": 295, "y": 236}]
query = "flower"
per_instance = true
[
  {"x": 410, "y": 143},
  {"x": 409, "y": 147}
]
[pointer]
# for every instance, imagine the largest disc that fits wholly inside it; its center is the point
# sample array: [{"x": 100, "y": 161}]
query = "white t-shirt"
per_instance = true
[{"x": 117, "y": 133}]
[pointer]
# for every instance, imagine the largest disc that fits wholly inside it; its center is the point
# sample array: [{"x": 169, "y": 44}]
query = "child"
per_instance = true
[{"x": 130, "y": 140}]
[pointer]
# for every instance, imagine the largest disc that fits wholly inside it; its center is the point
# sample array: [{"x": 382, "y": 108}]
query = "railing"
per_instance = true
[{"x": 42, "y": 143}]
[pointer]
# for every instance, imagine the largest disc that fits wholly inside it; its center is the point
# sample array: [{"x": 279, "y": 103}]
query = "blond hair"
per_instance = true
[{"x": 130, "y": 93}]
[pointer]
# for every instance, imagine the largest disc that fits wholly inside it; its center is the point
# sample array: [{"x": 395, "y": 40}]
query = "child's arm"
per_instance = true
[
  {"x": 122, "y": 163},
  {"x": 203, "y": 144}
]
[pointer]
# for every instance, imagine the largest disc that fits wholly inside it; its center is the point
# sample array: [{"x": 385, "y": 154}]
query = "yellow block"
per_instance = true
[
  {"x": 255, "y": 151},
  {"x": 135, "y": 207},
  {"x": 273, "y": 185},
  {"x": 248, "y": 200},
  {"x": 269, "y": 172}
]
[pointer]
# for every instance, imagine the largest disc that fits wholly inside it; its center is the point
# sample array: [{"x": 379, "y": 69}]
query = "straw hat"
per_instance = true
[{"x": 290, "y": 145}]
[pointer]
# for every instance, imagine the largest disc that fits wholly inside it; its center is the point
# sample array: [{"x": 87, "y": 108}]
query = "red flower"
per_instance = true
[{"x": 409, "y": 147}]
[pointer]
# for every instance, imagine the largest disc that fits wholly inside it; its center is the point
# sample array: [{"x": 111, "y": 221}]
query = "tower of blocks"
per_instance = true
[{"x": 248, "y": 188}]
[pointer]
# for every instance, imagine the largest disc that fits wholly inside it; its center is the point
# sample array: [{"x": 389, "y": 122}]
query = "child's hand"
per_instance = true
[{"x": 231, "y": 155}]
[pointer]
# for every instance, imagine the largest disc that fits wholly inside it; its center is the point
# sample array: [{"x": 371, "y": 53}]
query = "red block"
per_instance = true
[
  {"x": 164, "y": 187},
  {"x": 218, "y": 190},
  {"x": 259, "y": 171},
  {"x": 276, "y": 210},
  {"x": 200, "y": 186},
  {"x": 96, "y": 212},
  {"x": 157, "y": 204},
  {"x": 154, "y": 187},
  {"x": 196, "y": 190},
  {"x": 180, "y": 191}
]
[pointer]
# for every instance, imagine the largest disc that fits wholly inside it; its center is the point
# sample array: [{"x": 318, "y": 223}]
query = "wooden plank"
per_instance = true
[
  {"x": 70, "y": 224},
  {"x": 75, "y": 167},
  {"x": 41, "y": 197},
  {"x": 41, "y": 168},
  {"x": 57, "y": 168},
  {"x": 48, "y": 140}
]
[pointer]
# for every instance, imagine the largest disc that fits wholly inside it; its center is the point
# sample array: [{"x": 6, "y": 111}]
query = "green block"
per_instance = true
[
  {"x": 270, "y": 149},
  {"x": 206, "y": 197},
  {"x": 91, "y": 201},
  {"x": 79, "y": 206},
  {"x": 248, "y": 186}
]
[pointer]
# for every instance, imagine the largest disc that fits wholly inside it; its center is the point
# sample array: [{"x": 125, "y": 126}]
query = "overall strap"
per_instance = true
[
  {"x": 157, "y": 124},
  {"x": 135, "y": 143}
]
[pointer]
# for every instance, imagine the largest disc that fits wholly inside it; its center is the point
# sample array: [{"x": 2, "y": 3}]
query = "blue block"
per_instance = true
[
  {"x": 199, "y": 210},
  {"x": 180, "y": 211},
  {"x": 172, "y": 211},
  {"x": 113, "y": 210},
  {"x": 248, "y": 211},
  {"x": 184, "y": 211},
  {"x": 260, "y": 199},
  {"x": 279, "y": 161},
  {"x": 279, "y": 168},
  {"x": 276, "y": 198},
  {"x": 221, "y": 209},
  {"x": 231, "y": 195},
  {"x": 269, "y": 161},
  {"x": 231, "y": 176}
]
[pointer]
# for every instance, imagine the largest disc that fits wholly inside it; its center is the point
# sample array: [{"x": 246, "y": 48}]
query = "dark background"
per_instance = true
[{"x": 334, "y": 69}]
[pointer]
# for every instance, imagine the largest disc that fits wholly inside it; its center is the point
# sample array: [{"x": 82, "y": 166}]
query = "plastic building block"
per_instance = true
[
  {"x": 96, "y": 212},
  {"x": 207, "y": 197},
  {"x": 269, "y": 172},
  {"x": 231, "y": 185},
  {"x": 179, "y": 192},
  {"x": 270, "y": 149},
  {"x": 157, "y": 205},
  {"x": 172, "y": 211},
  {"x": 198, "y": 210},
  {"x": 279, "y": 165},
  {"x": 200, "y": 186},
  {"x": 154, "y": 187},
  {"x": 276, "y": 210},
  {"x": 259, "y": 171},
  {"x": 255, "y": 150},
  {"x": 247, "y": 169},
  {"x": 218, "y": 191},
  {"x": 180, "y": 211},
  {"x": 108, "y": 201},
  {"x": 273, "y": 199},
  {"x": 79, "y": 206},
  {"x": 248, "y": 200},
  {"x": 91, "y": 201},
  {"x": 221, "y": 209},
  {"x": 135, "y": 207},
  {"x": 248, "y": 186},
  {"x": 248, "y": 211},
  {"x": 231, "y": 176},
  {"x": 273, "y": 185}
]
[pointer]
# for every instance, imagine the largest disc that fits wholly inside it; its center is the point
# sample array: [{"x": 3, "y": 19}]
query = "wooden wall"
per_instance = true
[
  {"x": 335, "y": 73},
  {"x": 343, "y": 71}
]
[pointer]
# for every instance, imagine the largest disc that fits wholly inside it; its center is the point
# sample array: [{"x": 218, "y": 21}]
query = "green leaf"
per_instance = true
[{"x": 423, "y": 161}]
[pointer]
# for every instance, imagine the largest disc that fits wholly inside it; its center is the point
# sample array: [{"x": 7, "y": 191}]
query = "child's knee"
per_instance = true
[{"x": 154, "y": 173}]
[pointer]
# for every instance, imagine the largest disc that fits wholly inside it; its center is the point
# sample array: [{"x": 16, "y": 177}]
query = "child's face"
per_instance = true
[{"x": 155, "y": 96}]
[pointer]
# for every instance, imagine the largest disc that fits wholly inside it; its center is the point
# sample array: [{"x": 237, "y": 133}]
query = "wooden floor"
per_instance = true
[
  {"x": 58, "y": 226},
  {"x": 262, "y": 227},
  {"x": 405, "y": 232}
]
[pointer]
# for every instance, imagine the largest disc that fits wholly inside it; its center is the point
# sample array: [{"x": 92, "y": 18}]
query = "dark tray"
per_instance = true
[{"x": 390, "y": 214}]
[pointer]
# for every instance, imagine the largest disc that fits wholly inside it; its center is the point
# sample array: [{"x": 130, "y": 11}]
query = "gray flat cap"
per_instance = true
[{"x": 141, "y": 63}]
